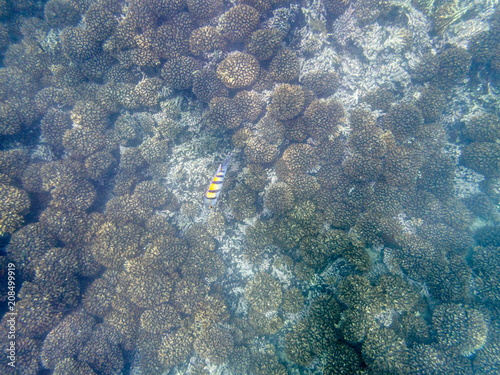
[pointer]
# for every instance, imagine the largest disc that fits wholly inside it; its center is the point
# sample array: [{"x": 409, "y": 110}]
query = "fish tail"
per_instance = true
[{"x": 226, "y": 162}]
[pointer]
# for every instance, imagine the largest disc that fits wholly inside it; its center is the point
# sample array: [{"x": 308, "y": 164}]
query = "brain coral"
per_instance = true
[
  {"x": 483, "y": 157},
  {"x": 483, "y": 128},
  {"x": 258, "y": 150},
  {"x": 300, "y": 157},
  {"x": 78, "y": 44},
  {"x": 238, "y": 70}
]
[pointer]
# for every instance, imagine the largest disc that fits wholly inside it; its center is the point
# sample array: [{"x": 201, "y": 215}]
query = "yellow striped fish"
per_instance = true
[{"x": 215, "y": 186}]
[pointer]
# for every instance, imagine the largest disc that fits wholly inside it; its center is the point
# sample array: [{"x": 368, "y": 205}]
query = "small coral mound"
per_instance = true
[
  {"x": 452, "y": 65},
  {"x": 404, "y": 120},
  {"x": 206, "y": 39},
  {"x": 287, "y": 101},
  {"x": 321, "y": 82},
  {"x": 284, "y": 66},
  {"x": 460, "y": 327},
  {"x": 431, "y": 103},
  {"x": 264, "y": 293},
  {"x": 178, "y": 72},
  {"x": 223, "y": 114},
  {"x": 215, "y": 343},
  {"x": 206, "y": 85},
  {"x": 264, "y": 43},
  {"x": 322, "y": 117},
  {"x": 300, "y": 157},
  {"x": 250, "y": 104},
  {"x": 175, "y": 348},
  {"x": 14, "y": 204},
  {"x": 278, "y": 198},
  {"x": 238, "y": 70},
  {"x": 483, "y": 128},
  {"x": 67, "y": 339},
  {"x": 483, "y": 157},
  {"x": 238, "y": 22},
  {"x": 258, "y": 150}
]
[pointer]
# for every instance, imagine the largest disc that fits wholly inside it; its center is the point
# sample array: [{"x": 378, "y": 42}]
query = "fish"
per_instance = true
[{"x": 215, "y": 186}]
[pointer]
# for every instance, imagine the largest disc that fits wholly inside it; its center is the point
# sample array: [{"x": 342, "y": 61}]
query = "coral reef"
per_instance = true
[{"x": 358, "y": 227}]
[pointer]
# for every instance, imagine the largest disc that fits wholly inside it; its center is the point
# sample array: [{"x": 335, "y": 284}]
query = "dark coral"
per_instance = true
[
  {"x": 404, "y": 120},
  {"x": 264, "y": 293},
  {"x": 100, "y": 20},
  {"x": 178, "y": 72},
  {"x": 258, "y": 150},
  {"x": 483, "y": 157},
  {"x": 61, "y": 13},
  {"x": 207, "y": 85},
  {"x": 81, "y": 142},
  {"x": 242, "y": 202},
  {"x": 264, "y": 43},
  {"x": 322, "y": 82},
  {"x": 250, "y": 104},
  {"x": 206, "y": 39},
  {"x": 379, "y": 99},
  {"x": 9, "y": 119},
  {"x": 147, "y": 91},
  {"x": 453, "y": 64},
  {"x": 322, "y": 117},
  {"x": 278, "y": 198},
  {"x": 238, "y": 22},
  {"x": 385, "y": 352},
  {"x": 287, "y": 102},
  {"x": 204, "y": 9},
  {"x": 300, "y": 158},
  {"x": 53, "y": 125},
  {"x": 98, "y": 164},
  {"x": 79, "y": 44},
  {"x": 460, "y": 327},
  {"x": 113, "y": 244},
  {"x": 223, "y": 114},
  {"x": 284, "y": 66},
  {"x": 271, "y": 129},
  {"x": 14, "y": 204},
  {"x": 67, "y": 339},
  {"x": 431, "y": 103},
  {"x": 215, "y": 343},
  {"x": 101, "y": 351},
  {"x": 175, "y": 348},
  {"x": 483, "y": 128},
  {"x": 151, "y": 194}
]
